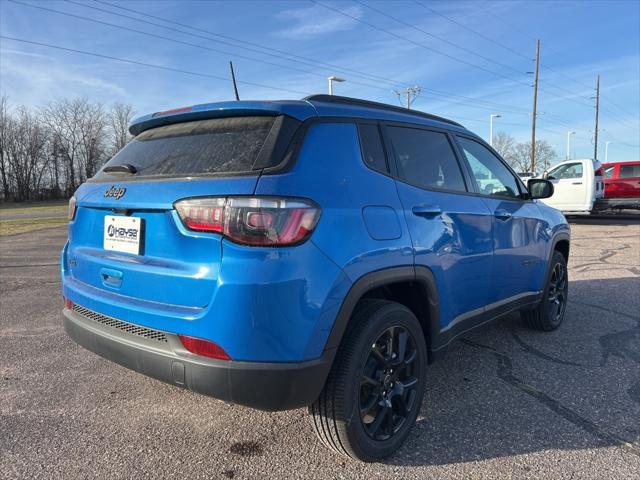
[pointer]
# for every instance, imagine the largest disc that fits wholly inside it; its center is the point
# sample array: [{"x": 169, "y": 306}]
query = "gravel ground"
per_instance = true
[{"x": 504, "y": 401}]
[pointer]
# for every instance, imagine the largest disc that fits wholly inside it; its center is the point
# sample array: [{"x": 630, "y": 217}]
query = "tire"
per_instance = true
[
  {"x": 549, "y": 313},
  {"x": 365, "y": 377}
]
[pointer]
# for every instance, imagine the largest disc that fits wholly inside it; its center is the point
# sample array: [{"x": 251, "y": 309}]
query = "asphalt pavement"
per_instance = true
[{"x": 504, "y": 402}]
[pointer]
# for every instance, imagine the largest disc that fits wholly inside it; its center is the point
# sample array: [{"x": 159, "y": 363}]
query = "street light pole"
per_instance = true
[
  {"x": 491, "y": 117},
  {"x": 606, "y": 151},
  {"x": 569, "y": 143},
  {"x": 332, "y": 79}
]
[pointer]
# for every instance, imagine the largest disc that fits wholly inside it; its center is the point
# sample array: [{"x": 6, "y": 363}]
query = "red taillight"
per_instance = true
[
  {"x": 203, "y": 347},
  {"x": 72, "y": 208},
  {"x": 205, "y": 215},
  {"x": 266, "y": 221},
  {"x": 68, "y": 304}
]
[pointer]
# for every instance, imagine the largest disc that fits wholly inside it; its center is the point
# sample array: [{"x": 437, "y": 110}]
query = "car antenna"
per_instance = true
[{"x": 233, "y": 78}]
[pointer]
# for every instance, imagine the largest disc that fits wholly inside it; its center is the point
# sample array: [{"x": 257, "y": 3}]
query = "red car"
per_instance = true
[{"x": 621, "y": 185}]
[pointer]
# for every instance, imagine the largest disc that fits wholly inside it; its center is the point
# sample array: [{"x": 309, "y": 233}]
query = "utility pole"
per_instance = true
[
  {"x": 409, "y": 94},
  {"x": 595, "y": 141},
  {"x": 233, "y": 78},
  {"x": 535, "y": 107}
]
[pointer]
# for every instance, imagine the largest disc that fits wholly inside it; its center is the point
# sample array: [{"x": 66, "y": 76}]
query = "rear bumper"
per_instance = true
[{"x": 264, "y": 386}]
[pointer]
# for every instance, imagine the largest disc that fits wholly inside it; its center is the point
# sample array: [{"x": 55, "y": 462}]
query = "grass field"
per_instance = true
[
  {"x": 18, "y": 218},
  {"x": 24, "y": 225},
  {"x": 36, "y": 207}
]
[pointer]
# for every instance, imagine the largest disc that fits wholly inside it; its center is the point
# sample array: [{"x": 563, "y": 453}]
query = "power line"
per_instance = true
[
  {"x": 279, "y": 53},
  {"x": 154, "y": 35},
  {"x": 481, "y": 35},
  {"x": 150, "y": 65},
  {"x": 421, "y": 45},
  {"x": 441, "y": 39},
  {"x": 306, "y": 60},
  {"x": 435, "y": 92},
  {"x": 618, "y": 107},
  {"x": 554, "y": 52},
  {"x": 364, "y": 22}
]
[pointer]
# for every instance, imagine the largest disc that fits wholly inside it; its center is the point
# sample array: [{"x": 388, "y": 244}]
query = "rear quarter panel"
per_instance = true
[{"x": 330, "y": 171}]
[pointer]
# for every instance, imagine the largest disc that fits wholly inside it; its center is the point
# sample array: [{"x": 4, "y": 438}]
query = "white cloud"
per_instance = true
[
  {"x": 316, "y": 20},
  {"x": 37, "y": 79}
]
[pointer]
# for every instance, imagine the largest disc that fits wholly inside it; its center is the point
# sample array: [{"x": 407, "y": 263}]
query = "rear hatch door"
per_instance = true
[{"x": 126, "y": 238}]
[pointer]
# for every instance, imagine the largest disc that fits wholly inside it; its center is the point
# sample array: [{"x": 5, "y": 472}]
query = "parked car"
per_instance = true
[
  {"x": 577, "y": 184},
  {"x": 306, "y": 253},
  {"x": 526, "y": 176},
  {"x": 621, "y": 186}
]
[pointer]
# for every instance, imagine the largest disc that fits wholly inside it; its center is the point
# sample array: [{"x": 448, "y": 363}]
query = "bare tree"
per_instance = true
[
  {"x": 505, "y": 145},
  {"x": 48, "y": 153},
  {"x": 5, "y": 125},
  {"x": 545, "y": 154},
  {"x": 78, "y": 127},
  {"x": 120, "y": 117},
  {"x": 25, "y": 153}
]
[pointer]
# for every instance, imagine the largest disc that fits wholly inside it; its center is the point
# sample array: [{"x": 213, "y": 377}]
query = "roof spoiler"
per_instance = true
[{"x": 296, "y": 109}]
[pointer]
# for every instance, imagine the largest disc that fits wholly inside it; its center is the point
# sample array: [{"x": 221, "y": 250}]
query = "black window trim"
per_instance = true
[
  {"x": 391, "y": 154},
  {"x": 360, "y": 123},
  {"x": 524, "y": 192}
]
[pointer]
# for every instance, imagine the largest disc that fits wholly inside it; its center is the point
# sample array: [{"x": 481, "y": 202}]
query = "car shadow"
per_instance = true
[{"x": 506, "y": 390}]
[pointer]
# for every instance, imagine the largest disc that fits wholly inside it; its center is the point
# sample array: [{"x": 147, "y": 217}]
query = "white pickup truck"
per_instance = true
[{"x": 577, "y": 185}]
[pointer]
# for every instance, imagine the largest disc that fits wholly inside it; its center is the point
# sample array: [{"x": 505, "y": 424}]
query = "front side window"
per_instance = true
[
  {"x": 567, "y": 171},
  {"x": 491, "y": 175},
  {"x": 426, "y": 159},
  {"x": 608, "y": 171},
  {"x": 629, "y": 171}
]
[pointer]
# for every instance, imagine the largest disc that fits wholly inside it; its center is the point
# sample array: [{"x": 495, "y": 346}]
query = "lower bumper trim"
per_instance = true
[{"x": 260, "y": 385}]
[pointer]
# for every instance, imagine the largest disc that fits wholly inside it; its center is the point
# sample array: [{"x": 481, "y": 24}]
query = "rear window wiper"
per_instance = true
[{"x": 122, "y": 168}]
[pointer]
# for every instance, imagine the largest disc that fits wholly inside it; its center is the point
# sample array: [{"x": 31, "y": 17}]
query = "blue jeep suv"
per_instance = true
[{"x": 315, "y": 253}]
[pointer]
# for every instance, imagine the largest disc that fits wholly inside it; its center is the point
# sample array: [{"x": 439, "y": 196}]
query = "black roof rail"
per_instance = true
[{"x": 371, "y": 104}]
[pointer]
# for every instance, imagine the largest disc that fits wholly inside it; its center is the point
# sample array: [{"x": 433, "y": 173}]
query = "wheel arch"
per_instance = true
[
  {"x": 562, "y": 245},
  {"x": 412, "y": 286}
]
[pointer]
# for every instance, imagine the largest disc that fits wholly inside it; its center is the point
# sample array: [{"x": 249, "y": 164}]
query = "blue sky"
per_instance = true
[{"x": 469, "y": 57}]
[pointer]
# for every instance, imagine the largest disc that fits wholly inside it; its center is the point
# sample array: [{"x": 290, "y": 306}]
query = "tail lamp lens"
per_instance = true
[
  {"x": 72, "y": 208},
  {"x": 202, "y": 214},
  {"x": 257, "y": 221},
  {"x": 204, "y": 348}
]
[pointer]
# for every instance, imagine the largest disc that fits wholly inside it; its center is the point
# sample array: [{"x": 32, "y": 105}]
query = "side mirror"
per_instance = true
[
  {"x": 544, "y": 175},
  {"x": 539, "y": 188}
]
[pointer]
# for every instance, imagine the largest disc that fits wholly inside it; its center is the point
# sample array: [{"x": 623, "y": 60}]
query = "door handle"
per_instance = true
[
  {"x": 502, "y": 214},
  {"x": 576, "y": 183},
  {"x": 111, "y": 278},
  {"x": 426, "y": 210}
]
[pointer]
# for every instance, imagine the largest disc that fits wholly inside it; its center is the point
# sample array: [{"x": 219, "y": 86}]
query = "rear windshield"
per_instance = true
[{"x": 220, "y": 145}]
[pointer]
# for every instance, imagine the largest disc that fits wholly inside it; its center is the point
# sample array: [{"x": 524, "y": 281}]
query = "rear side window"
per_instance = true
[
  {"x": 629, "y": 171},
  {"x": 220, "y": 145},
  {"x": 372, "y": 149},
  {"x": 426, "y": 159}
]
